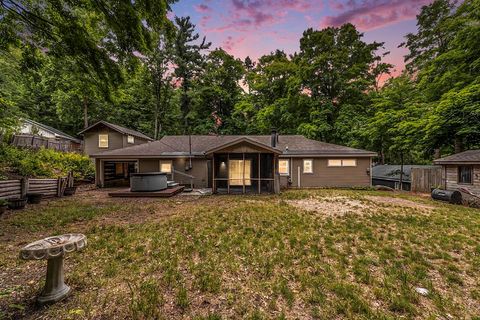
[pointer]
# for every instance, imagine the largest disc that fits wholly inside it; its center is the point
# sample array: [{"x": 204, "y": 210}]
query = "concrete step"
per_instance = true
[{"x": 172, "y": 184}]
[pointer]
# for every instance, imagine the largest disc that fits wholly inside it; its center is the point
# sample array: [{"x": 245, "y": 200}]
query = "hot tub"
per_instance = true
[{"x": 148, "y": 181}]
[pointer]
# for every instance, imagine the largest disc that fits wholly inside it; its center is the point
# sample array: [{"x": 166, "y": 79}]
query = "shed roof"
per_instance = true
[
  {"x": 118, "y": 128},
  {"x": 392, "y": 172},
  {"x": 54, "y": 131},
  {"x": 466, "y": 157},
  {"x": 287, "y": 145}
]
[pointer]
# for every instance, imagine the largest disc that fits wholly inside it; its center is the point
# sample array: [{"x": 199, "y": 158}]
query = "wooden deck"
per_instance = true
[{"x": 170, "y": 192}]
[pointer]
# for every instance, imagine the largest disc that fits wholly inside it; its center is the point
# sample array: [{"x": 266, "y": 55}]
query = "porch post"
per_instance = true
[
  {"x": 214, "y": 189},
  {"x": 228, "y": 173},
  {"x": 259, "y": 183},
  {"x": 243, "y": 175}
]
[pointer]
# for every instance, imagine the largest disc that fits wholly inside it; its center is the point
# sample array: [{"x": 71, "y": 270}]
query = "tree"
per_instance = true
[
  {"x": 189, "y": 61},
  {"x": 445, "y": 55},
  {"x": 216, "y": 92},
  {"x": 95, "y": 33},
  {"x": 159, "y": 62},
  {"x": 337, "y": 68}
]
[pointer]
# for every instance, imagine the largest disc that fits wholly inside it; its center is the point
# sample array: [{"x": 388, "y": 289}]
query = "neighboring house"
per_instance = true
[
  {"x": 35, "y": 134},
  {"x": 105, "y": 136},
  {"x": 242, "y": 164},
  {"x": 389, "y": 175},
  {"x": 461, "y": 170}
]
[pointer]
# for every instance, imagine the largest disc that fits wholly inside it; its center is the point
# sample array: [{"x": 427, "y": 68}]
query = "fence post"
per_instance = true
[
  {"x": 23, "y": 187},
  {"x": 59, "y": 187}
]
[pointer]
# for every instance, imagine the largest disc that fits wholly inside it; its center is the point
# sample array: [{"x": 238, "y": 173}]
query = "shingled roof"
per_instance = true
[
  {"x": 118, "y": 128},
  {"x": 466, "y": 157},
  {"x": 287, "y": 145}
]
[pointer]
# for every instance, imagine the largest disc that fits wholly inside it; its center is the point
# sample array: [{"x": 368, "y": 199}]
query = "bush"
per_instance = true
[{"x": 44, "y": 163}]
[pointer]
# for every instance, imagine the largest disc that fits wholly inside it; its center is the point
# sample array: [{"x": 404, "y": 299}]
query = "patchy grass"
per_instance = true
[{"x": 256, "y": 257}]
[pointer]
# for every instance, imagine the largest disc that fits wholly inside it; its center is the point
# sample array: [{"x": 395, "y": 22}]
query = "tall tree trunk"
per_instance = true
[
  {"x": 85, "y": 112},
  {"x": 458, "y": 144}
]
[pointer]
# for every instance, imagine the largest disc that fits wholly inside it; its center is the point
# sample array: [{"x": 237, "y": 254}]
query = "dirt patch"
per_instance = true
[
  {"x": 332, "y": 206},
  {"x": 400, "y": 202}
]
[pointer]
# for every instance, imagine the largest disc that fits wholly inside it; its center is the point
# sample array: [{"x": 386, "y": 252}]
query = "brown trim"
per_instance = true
[
  {"x": 240, "y": 140},
  {"x": 325, "y": 155},
  {"x": 136, "y": 134}
]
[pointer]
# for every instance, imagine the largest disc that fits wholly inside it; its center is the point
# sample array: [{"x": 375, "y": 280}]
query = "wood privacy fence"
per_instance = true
[
  {"x": 423, "y": 179},
  {"x": 48, "y": 187},
  {"x": 36, "y": 142}
]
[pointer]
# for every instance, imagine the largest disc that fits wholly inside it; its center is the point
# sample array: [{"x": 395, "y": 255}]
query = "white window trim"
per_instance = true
[
  {"x": 288, "y": 167},
  {"x": 99, "y": 141},
  {"x": 311, "y": 166},
  {"x": 130, "y": 137},
  {"x": 329, "y": 165},
  {"x": 341, "y": 163},
  {"x": 349, "y": 166},
  {"x": 165, "y": 161}
]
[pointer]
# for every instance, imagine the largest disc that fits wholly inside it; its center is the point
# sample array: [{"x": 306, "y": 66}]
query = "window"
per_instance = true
[
  {"x": 130, "y": 139},
  {"x": 334, "y": 163},
  {"x": 465, "y": 174},
  {"x": 284, "y": 167},
  {"x": 103, "y": 140},
  {"x": 349, "y": 162},
  {"x": 166, "y": 166},
  {"x": 342, "y": 162},
  {"x": 237, "y": 172},
  {"x": 307, "y": 166}
]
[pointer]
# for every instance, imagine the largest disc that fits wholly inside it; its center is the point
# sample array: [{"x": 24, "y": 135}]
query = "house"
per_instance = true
[
  {"x": 389, "y": 175},
  {"x": 243, "y": 164},
  {"x": 35, "y": 135},
  {"x": 461, "y": 170},
  {"x": 104, "y": 136}
]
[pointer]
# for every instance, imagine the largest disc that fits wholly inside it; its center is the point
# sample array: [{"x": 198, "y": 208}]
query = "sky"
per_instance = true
[{"x": 257, "y": 27}]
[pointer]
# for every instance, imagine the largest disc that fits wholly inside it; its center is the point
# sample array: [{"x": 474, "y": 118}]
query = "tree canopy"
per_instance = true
[{"x": 69, "y": 63}]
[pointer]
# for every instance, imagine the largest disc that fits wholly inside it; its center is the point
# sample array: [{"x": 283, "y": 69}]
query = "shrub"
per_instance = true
[{"x": 44, "y": 163}]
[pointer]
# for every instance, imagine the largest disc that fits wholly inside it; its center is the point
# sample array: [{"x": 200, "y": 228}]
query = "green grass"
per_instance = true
[{"x": 261, "y": 258}]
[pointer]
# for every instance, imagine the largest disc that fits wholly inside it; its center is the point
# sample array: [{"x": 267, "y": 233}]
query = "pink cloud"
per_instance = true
[
  {"x": 203, "y": 8},
  {"x": 368, "y": 15},
  {"x": 230, "y": 43},
  {"x": 245, "y": 15}
]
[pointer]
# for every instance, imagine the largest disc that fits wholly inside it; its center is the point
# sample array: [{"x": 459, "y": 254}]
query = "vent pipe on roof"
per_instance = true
[{"x": 274, "y": 138}]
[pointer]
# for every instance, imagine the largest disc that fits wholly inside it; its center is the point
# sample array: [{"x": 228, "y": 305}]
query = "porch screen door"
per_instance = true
[{"x": 236, "y": 172}]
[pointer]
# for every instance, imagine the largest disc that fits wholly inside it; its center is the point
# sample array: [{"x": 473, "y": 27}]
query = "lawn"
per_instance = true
[{"x": 326, "y": 254}]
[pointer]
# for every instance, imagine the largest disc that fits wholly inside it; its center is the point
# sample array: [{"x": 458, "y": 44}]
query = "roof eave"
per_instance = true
[{"x": 440, "y": 162}]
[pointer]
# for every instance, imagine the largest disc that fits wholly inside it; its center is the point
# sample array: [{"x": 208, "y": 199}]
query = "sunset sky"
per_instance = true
[{"x": 257, "y": 27}]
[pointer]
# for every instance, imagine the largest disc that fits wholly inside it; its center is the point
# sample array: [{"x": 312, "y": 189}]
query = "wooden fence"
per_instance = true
[
  {"x": 36, "y": 142},
  {"x": 48, "y": 187},
  {"x": 423, "y": 179}
]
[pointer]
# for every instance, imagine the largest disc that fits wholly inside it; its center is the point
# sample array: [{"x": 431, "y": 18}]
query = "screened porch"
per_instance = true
[{"x": 238, "y": 173}]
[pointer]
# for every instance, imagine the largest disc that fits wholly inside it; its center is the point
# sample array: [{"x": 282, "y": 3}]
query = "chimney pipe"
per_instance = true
[{"x": 274, "y": 138}]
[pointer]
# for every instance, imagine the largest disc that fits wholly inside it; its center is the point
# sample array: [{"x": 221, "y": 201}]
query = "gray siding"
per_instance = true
[
  {"x": 199, "y": 170},
  {"x": 116, "y": 140},
  {"x": 450, "y": 176},
  {"x": 325, "y": 176}
]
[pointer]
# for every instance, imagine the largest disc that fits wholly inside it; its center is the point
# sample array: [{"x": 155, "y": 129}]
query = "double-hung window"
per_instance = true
[
  {"x": 284, "y": 167},
  {"x": 465, "y": 174},
  {"x": 307, "y": 166},
  {"x": 103, "y": 140}
]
